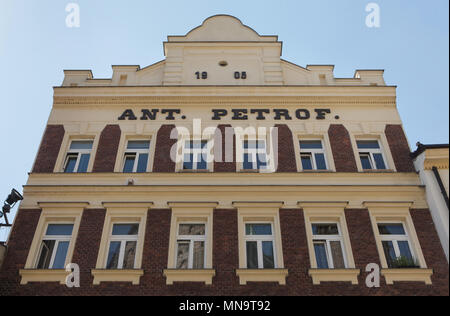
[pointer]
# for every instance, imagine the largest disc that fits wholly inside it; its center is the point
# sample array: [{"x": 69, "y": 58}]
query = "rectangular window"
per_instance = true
[
  {"x": 260, "y": 241},
  {"x": 191, "y": 241},
  {"x": 313, "y": 155},
  {"x": 54, "y": 247},
  {"x": 255, "y": 155},
  {"x": 78, "y": 156},
  {"x": 396, "y": 246},
  {"x": 328, "y": 246},
  {"x": 371, "y": 155},
  {"x": 122, "y": 246},
  {"x": 136, "y": 156},
  {"x": 195, "y": 155}
]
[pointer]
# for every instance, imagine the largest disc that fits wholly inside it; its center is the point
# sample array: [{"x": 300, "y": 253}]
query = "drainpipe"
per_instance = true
[{"x": 441, "y": 185}]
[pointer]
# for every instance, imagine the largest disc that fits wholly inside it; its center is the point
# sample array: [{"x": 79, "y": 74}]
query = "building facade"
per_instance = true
[
  {"x": 224, "y": 170},
  {"x": 431, "y": 162}
]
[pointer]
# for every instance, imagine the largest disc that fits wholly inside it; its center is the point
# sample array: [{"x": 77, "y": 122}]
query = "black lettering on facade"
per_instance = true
[
  {"x": 147, "y": 114},
  {"x": 260, "y": 113},
  {"x": 240, "y": 114},
  {"x": 302, "y": 114},
  {"x": 280, "y": 113},
  {"x": 170, "y": 114},
  {"x": 321, "y": 113},
  {"x": 218, "y": 114},
  {"x": 128, "y": 114}
]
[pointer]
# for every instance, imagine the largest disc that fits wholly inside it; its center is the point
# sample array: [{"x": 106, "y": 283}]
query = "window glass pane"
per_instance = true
[
  {"x": 113, "y": 255},
  {"x": 254, "y": 144},
  {"x": 59, "y": 230},
  {"x": 405, "y": 251},
  {"x": 183, "y": 255},
  {"x": 199, "y": 255},
  {"x": 129, "y": 163},
  {"x": 61, "y": 254},
  {"x": 368, "y": 144},
  {"x": 365, "y": 162},
  {"x": 389, "y": 253},
  {"x": 325, "y": 229},
  {"x": 268, "y": 258},
  {"x": 192, "y": 230},
  {"x": 125, "y": 229},
  {"x": 70, "y": 164},
  {"x": 307, "y": 162},
  {"x": 258, "y": 229},
  {"x": 320, "y": 162},
  {"x": 138, "y": 144},
  {"x": 252, "y": 255},
  {"x": 248, "y": 164},
  {"x": 338, "y": 255},
  {"x": 84, "y": 162},
  {"x": 379, "y": 161},
  {"x": 130, "y": 254},
  {"x": 201, "y": 164},
  {"x": 310, "y": 144},
  {"x": 46, "y": 254},
  {"x": 196, "y": 144},
  {"x": 391, "y": 229},
  {"x": 142, "y": 163},
  {"x": 262, "y": 161},
  {"x": 188, "y": 162},
  {"x": 321, "y": 255},
  {"x": 86, "y": 145}
]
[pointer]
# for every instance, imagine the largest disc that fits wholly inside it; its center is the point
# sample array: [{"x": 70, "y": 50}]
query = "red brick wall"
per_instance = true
[
  {"x": 286, "y": 151},
  {"x": 49, "y": 149},
  {"x": 399, "y": 148},
  {"x": 220, "y": 138},
  {"x": 108, "y": 145},
  {"x": 225, "y": 259},
  {"x": 341, "y": 146},
  {"x": 17, "y": 252},
  {"x": 162, "y": 161}
]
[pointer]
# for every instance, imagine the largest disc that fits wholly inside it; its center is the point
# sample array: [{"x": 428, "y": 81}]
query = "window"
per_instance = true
[
  {"x": 191, "y": 241},
  {"x": 54, "y": 246},
  {"x": 371, "y": 155},
  {"x": 136, "y": 156},
  {"x": 396, "y": 246},
  {"x": 259, "y": 242},
  {"x": 195, "y": 155},
  {"x": 78, "y": 155},
  {"x": 312, "y": 155},
  {"x": 255, "y": 155},
  {"x": 328, "y": 246},
  {"x": 122, "y": 246}
]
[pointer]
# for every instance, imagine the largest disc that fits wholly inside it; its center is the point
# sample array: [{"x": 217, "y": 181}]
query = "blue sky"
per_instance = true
[{"x": 412, "y": 45}]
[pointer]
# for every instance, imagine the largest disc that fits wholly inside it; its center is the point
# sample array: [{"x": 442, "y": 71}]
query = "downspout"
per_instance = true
[{"x": 441, "y": 185}]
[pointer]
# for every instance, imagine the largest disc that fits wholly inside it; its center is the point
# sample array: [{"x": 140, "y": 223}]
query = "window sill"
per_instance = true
[
  {"x": 334, "y": 275},
  {"x": 133, "y": 276},
  {"x": 32, "y": 275},
  {"x": 262, "y": 275},
  {"x": 189, "y": 275},
  {"x": 194, "y": 171},
  {"x": 378, "y": 171},
  {"x": 407, "y": 275}
]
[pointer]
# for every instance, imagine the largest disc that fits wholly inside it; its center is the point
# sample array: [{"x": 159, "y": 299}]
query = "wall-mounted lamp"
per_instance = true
[{"x": 10, "y": 202}]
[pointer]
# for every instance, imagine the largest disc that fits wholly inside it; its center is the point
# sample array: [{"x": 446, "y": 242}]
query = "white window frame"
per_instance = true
[
  {"x": 79, "y": 153},
  {"x": 259, "y": 240},
  {"x": 192, "y": 239},
  {"x": 312, "y": 153},
  {"x": 255, "y": 152},
  {"x": 195, "y": 152},
  {"x": 328, "y": 239},
  {"x": 57, "y": 239},
  {"x": 123, "y": 239},
  {"x": 396, "y": 238},
  {"x": 137, "y": 153},
  {"x": 370, "y": 152}
]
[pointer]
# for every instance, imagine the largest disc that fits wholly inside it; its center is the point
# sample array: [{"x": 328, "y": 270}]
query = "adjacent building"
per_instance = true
[
  {"x": 224, "y": 170},
  {"x": 431, "y": 161}
]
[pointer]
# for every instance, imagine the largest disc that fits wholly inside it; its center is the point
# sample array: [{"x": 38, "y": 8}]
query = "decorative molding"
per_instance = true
[
  {"x": 133, "y": 276},
  {"x": 32, "y": 275},
  {"x": 262, "y": 275},
  {"x": 188, "y": 275},
  {"x": 334, "y": 275},
  {"x": 407, "y": 275}
]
